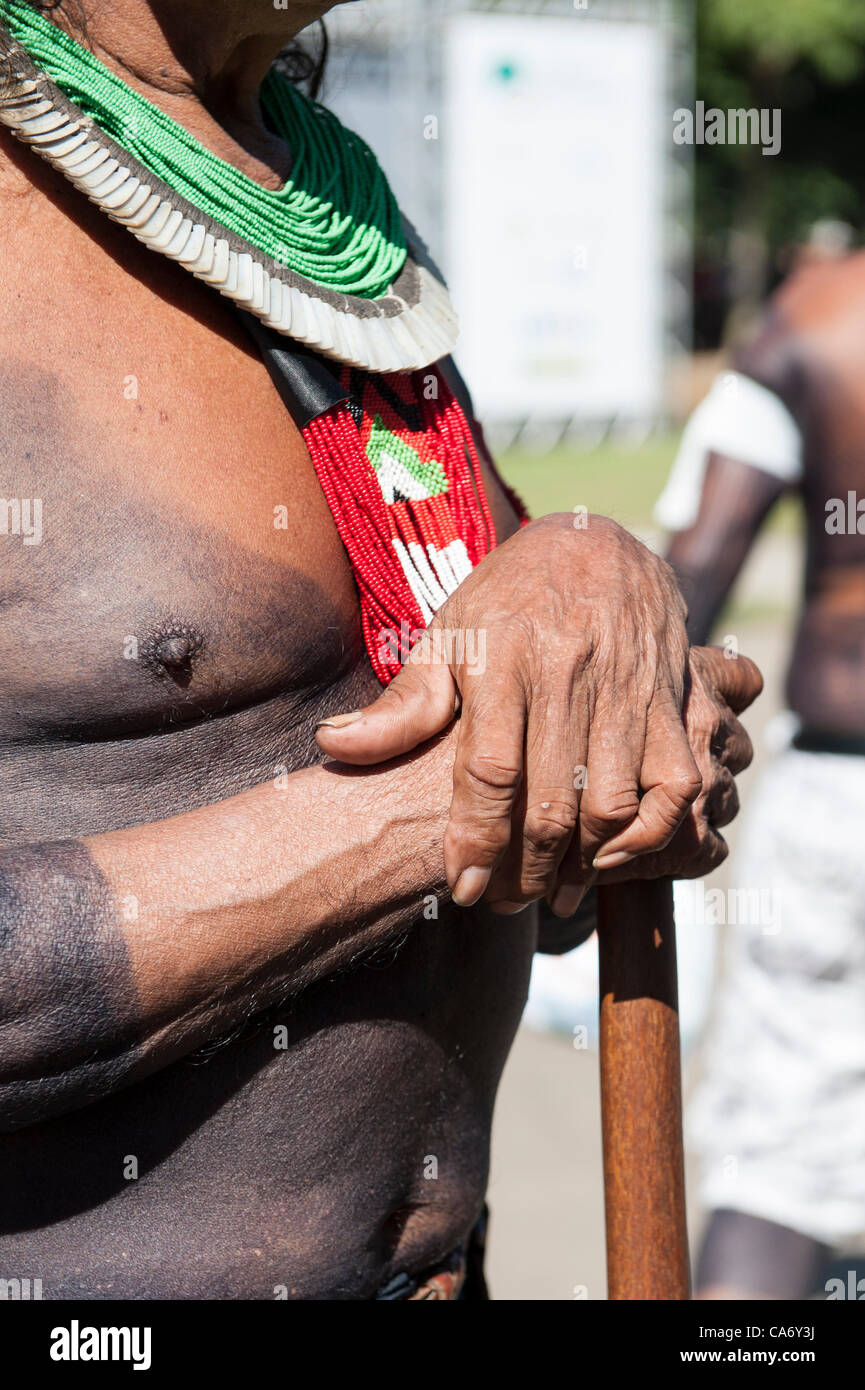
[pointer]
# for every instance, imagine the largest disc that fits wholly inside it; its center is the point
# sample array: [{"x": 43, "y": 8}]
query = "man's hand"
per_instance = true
[
  {"x": 566, "y": 655},
  {"x": 719, "y": 688}
]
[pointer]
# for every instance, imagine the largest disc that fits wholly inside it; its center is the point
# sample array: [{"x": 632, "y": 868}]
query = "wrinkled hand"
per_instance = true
[
  {"x": 719, "y": 687},
  {"x": 586, "y": 738}
]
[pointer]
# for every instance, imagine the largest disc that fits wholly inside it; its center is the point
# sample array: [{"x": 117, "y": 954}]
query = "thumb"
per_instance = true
[{"x": 419, "y": 702}]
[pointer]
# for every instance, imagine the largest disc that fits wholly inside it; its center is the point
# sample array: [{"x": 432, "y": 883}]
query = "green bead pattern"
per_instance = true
[{"x": 335, "y": 221}]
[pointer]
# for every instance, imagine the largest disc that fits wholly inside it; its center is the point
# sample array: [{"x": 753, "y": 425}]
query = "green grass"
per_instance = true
[{"x": 616, "y": 479}]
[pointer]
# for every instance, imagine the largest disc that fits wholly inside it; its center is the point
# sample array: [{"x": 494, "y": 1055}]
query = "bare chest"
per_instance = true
[{"x": 167, "y": 559}]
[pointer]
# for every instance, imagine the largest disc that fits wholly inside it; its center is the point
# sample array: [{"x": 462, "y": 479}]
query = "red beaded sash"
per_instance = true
[{"x": 399, "y": 467}]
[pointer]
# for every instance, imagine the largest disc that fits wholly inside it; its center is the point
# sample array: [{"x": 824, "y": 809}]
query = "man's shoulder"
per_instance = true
[
  {"x": 804, "y": 320},
  {"x": 821, "y": 291},
  {"x": 772, "y": 354}
]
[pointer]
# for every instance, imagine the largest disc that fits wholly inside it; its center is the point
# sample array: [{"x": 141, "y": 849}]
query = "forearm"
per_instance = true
[
  {"x": 709, "y": 556},
  {"x": 129, "y": 949},
  {"x": 705, "y": 583}
]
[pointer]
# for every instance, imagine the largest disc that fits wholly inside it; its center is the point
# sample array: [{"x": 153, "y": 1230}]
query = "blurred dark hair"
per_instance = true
[{"x": 302, "y": 62}]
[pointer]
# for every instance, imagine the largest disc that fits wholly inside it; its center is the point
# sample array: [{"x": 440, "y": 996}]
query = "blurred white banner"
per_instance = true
[{"x": 555, "y": 148}]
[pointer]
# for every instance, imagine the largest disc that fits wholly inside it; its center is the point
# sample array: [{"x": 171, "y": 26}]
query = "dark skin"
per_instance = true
[
  {"x": 186, "y": 871},
  {"x": 100, "y": 741},
  {"x": 808, "y": 351}
]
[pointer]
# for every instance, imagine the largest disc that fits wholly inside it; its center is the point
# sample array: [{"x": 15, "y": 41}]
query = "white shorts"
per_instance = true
[{"x": 779, "y": 1118}]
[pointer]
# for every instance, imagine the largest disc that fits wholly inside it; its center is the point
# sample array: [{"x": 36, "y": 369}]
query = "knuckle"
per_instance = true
[
  {"x": 732, "y": 746},
  {"x": 395, "y": 705},
  {"x": 728, "y": 811},
  {"x": 684, "y": 787},
  {"x": 603, "y": 820},
  {"x": 696, "y": 853},
  {"x": 705, "y": 661},
  {"x": 715, "y": 851},
  {"x": 741, "y": 752},
  {"x": 753, "y": 679},
  {"x": 722, "y": 799},
  {"x": 620, "y": 805},
  {"x": 660, "y": 830},
  {"x": 491, "y": 831},
  {"x": 711, "y": 851},
  {"x": 547, "y": 826},
  {"x": 398, "y": 693},
  {"x": 488, "y": 778},
  {"x": 749, "y": 679},
  {"x": 474, "y": 840}
]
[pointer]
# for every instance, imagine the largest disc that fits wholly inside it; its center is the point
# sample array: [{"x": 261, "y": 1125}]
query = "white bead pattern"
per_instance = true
[{"x": 414, "y": 337}]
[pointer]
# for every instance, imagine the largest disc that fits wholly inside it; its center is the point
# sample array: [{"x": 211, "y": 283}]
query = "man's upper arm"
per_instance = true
[
  {"x": 741, "y": 450},
  {"x": 68, "y": 1003}
]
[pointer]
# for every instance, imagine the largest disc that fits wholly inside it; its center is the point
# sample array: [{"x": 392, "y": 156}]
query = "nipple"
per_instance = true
[
  {"x": 175, "y": 652},
  {"x": 171, "y": 651}
]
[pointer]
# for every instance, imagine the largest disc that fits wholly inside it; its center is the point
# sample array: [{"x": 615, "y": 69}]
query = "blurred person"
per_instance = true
[
  {"x": 828, "y": 239},
  {"x": 780, "y": 1115}
]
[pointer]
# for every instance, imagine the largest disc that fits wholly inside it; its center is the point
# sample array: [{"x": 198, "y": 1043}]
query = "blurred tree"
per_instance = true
[{"x": 807, "y": 58}]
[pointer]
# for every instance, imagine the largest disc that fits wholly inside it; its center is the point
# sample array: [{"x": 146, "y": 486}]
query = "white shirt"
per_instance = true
[{"x": 741, "y": 420}]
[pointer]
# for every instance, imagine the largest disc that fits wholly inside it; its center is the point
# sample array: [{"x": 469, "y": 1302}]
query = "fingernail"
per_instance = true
[
  {"x": 339, "y": 721},
  {"x": 612, "y": 861},
  {"x": 504, "y": 909},
  {"x": 567, "y": 900},
  {"x": 471, "y": 886}
]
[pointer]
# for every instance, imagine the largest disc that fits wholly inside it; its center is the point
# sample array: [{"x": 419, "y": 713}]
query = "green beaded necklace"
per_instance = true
[{"x": 335, "y": 222}]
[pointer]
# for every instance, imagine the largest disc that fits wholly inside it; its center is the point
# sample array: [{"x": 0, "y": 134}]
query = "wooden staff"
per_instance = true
[{"x": 641, "y": 1094}]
